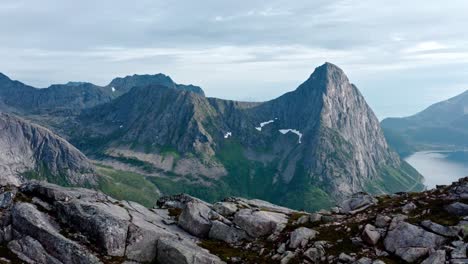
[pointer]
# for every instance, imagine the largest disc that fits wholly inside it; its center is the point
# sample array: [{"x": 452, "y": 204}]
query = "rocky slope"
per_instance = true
[
  {"x": 45, "y": 223},
  {"x": 305, "y": 149},
  {"x": 29, "y": 150},
  {"x": 442, "y": 125}
]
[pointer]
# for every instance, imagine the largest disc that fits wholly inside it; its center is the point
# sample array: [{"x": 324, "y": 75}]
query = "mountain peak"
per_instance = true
[
  {"x": 126, "y": 83},
  {"x": 328, "y": 71}
]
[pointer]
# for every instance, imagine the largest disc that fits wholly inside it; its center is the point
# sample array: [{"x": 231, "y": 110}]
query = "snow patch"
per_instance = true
[
  {"x": 299, "y": 134},
  {"x": 121, "y": 126},
  {"x": 113, "y": 89},
  {"x": 228, "y": 134},
  {"x": 264, "y": 124}
]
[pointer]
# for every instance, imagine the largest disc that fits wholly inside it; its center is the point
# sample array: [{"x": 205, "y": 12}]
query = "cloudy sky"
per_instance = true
[{"x": 403, "y": 55}]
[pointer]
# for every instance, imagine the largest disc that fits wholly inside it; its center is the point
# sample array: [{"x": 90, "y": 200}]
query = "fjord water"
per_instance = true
[{"x": 438, "y": 167}]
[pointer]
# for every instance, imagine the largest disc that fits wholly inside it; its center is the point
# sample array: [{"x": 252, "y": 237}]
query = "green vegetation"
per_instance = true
[
  {"x": 393, "y": 180},
  {"x": 125, "y": 185},
  {"x": 43, "y": 173},
  {"x": 226, "y": 252}
]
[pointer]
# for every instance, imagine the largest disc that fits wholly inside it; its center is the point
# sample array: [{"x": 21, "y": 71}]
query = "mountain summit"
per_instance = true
[{"x": 305, "y": 149}]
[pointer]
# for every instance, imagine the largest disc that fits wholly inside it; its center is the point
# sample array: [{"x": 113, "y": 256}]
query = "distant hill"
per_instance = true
[{"x": 443, "y": 125}]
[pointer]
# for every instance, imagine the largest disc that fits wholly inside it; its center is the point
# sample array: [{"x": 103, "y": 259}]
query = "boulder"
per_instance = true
[
  {"x": 436, "y": 257},
  {"x": 357, "y": 201},
  {"x": 171, "y": 251},
  {"x": 6, "y": 199},
  {"x": 260, "y": 223},
  {"x": 345, "y": 258},
  {"x": 408, "y": 208},
  {"x": 301, "y": 236},
  {"x": 457, "y": 208},
  {"x": 410, "y": 242},
  {"x": 382, "y": 221},
  {"x": 30, "y": 250},
  {"x": 459, "y": 252},
  {"x": 370, "y": 235},
  {"x": 106, "y": 223},
  {"x": 287, "y": 257},
  {"x": 31, "y": 222},
  {"x": 226, "y": 233},
  {"x": 440, "y": 229},
  {"x": 315, "y": 254},
  {"x": 195, "y": 219},
  {"x": 225, "y": 209}
]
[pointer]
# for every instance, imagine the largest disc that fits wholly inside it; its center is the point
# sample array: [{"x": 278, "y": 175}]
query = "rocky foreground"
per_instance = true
[{"x": 45, "y": 223}]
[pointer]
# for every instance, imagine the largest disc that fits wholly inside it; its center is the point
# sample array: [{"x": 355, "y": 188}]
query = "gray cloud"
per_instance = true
[{"x": 403, "y": 55}]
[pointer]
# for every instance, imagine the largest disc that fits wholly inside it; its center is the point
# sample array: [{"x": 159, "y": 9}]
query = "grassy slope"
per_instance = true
[{"x": 124, "y": 185}]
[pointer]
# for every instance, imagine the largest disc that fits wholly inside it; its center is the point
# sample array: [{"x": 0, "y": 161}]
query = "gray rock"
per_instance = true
[
  {"x": 225, "y": 209},
  {"x": 106, "y": 223},
  {"x": 228, "y": 234},
  {"x": 31, "y": 251},
  {"x": 408, "y": 208},
  {"x": 301, "y": 236},
  {"x": 440, "y": 229},
  {"x": 315, "y": 217},
  {"x": 457, "y": 208},
  {"x": 288, "y": 256},
  {"x": 315, "y": 254},
  {"x": 195, "y": 219},
  {"x": 172, "y": 251},
  {"x": 31, "y": 222},
  {"x": 357, "y": 201},
  {"x": 410, "y": 242},
  {"x": 382, "y": 221},
  {"x": 6, "y": 199},
  {"x": 260, "y": 223},
  {"x": 370, "y": 235},
  {"x": 364, "y": 260},
  {"x": 343, "y": 257},
  {"x": 437, "y": 257},
  {"x": 282, "y": 248},
  {"x": 460, "y": 250}
]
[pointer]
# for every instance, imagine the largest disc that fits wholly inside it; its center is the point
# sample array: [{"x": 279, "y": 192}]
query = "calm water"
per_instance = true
[{"x": 439, "y": 167}]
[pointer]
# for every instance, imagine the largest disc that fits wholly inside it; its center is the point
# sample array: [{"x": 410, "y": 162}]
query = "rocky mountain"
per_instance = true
[
  {"x": 305, "y": 149},
  {"x": 123, "y": 85},
  {"x": 71, "y": 98},
  {"x": 45, "y": 223},
  {"x": 31, "y": 151},
  {"x": 442, "y": 125}
]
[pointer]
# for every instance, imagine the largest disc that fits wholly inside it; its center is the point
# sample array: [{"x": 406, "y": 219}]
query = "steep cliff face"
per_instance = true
[
  {"x": 29, "y": 150},
  {"x": 304, "y": 149}
]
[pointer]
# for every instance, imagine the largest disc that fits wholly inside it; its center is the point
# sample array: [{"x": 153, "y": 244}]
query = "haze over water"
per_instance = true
[{"x": 437, "y": 167}]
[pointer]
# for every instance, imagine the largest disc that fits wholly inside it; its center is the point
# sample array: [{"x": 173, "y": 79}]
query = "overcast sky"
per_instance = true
[{"x": 402, "y": 55}]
